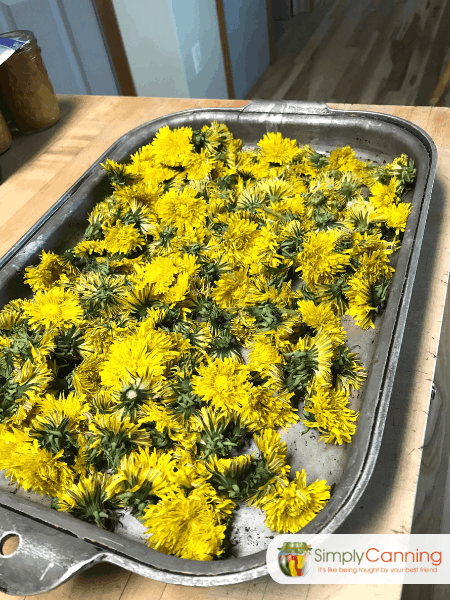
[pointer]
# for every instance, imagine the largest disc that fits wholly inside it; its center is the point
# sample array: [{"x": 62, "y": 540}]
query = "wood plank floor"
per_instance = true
[{"x": 363, "y": 52}]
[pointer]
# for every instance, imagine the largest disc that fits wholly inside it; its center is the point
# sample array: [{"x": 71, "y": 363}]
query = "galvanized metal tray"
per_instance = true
[{"x": 53, "y": 545}]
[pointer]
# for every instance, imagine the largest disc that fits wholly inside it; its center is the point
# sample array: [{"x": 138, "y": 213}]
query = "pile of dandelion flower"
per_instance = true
[{"x": 201, "y": 312}]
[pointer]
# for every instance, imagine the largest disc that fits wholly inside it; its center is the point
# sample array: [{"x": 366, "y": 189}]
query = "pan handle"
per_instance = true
[
  {"x": 45, "y": 557},
  {"x": 290, "y": 107}
]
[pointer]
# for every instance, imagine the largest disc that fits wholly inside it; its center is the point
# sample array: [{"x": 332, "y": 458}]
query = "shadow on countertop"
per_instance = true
[{"x": 25, "y": 146}]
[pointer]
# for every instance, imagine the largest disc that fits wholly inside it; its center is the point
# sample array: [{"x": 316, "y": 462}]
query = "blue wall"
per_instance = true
[
  {"x": 196, "y": 21},
  {"x": 248, "y": 39},
  {"x": 152, "y": 47}
]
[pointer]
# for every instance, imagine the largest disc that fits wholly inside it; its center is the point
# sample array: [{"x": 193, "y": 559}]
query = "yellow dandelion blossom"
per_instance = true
[
  {"x": 343, "y": 159},
  {"x": 242, "y": 328},
  {"x": 319, "y": 261},
  {"x": 160, "y": 274},
  {"x": 173, "y": 147},
  {"x": 222, "y": 507},
  {"x": 375, "y": 264},
  {"x": 5, "y": 343},
  {"x": 293, "y": 504},
  {"x": 56, "y": 308},
  {"x": 91, "y": 500},
  {"x": 87, "y": 247},
  {"x": 99, "y": 334},
  {"x": 162, "y": 419},
  {"x": 317, "y": 316},
  {"x": 318, "y": 349},
  {"x": 145, "y": 192},
  {"x": 145, "y": 155},
  {"x": 396, "y": 216},
  {"x": 189, "y": 472},
  {"x": 137, "y": 354},
  {"x": 245, "y": 162},
  {"x": 217, "y": 135},
  {"x": 277, "y": 149},
  {"x": 47, "y": 272},
  {"x": 72, "y": 406},
  {"x": 11, "y": 438},
  {"x": 199, "y": 166},
  {"x": 178, "y": 291},
  {"x": 240, "y": 235},
  {"x": 191, "y": 238},
  {"x": 277, "y": 190},
  {"x": 225, "y": 465},
  {"x": 100, "y": 295},
  {"x": 295, "y": 205},
  {"x": 328, "y": 412},
  {"x": 231, "y": 289},
  {"x": 181, "y": 209},
  {"x": 86, "y": 377},
  {"x": 262, "y": 252},
  {"x": 119, "y": 174},
  {"x": 263, "y": 355},
  {"x": 12, "y": 313},
  {"x": 323, "y": 317},
  {"x": 223, "y": 383},
  {"x": 39, "y": 470},
  {"x": 101, "y": 216},
  {"x": 110, "y": 437},
  {"x": 143, "y": 477},
  {"x": 265, "y": 408},
  {"x": 274, "y": 451},
  {"x": 32, "y": 375},
  {"x": 360, "y": 301},
  {"x": 361, "y": 217},
  {"x": 382, "y": 196},
  {"x": 123, "y": 239},
  {"x": 186, "y": 527},
  {"x": 138, "y": 213}
]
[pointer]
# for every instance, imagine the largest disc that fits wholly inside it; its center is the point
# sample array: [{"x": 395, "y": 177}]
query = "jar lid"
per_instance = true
[{"x": 23, "y": 35}]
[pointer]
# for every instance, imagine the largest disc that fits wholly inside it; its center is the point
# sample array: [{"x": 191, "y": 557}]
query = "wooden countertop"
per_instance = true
[{"x": 39, "y": 168}]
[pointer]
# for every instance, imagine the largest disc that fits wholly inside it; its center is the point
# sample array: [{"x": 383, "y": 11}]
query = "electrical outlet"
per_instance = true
[{"x": 197, "y": 56}]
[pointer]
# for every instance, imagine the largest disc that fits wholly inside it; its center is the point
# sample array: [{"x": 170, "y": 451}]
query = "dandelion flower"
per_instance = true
[
  {"x": 396, "y": 216},
  {"x": 182, "y": 209},
  {"x": 56, "y": 308},
  {"x": 143, "y": 478},
  {"x": 231, "y": 289},
  {"x": 173, "y": 148},
  {"x": 186, "y": 527},
  {"x": 91, "y": 500},
  {"x": 47, "y": 272},
  {"x": 122, "y": 239},
  {"x": 265, "y": 409},
  {"x": 39, "y": 470},
  {"x": 343, "y": 159},
  {"x": 277, "y": 149},
  {"x": 224, "y": 383},
  {"x": 294, "y": 504},
  {"x": 263, "y": 355},
  {"x": 383, "y": 196},
  {"x": 332, "y": 418},
  {"x": 320, "y": 261}
]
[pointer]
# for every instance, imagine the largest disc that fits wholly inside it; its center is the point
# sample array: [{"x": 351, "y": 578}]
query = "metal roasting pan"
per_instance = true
[{"x": 54, "y": 546}]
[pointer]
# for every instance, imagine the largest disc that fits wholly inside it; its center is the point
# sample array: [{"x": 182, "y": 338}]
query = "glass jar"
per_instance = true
[
  {"x": 26, "y": 86},
  {"x": 5, "y": 136}
]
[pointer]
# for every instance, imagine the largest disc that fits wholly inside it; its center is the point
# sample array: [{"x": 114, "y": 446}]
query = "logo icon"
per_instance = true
[{"x": 294, "y": 558}]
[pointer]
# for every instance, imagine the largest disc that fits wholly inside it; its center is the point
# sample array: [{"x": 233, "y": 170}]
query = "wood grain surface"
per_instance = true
[
  {"x": 38, "y": 169},
  {"x": 371, "y": 51}
]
